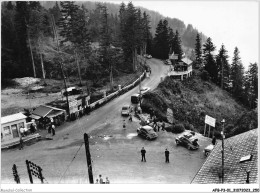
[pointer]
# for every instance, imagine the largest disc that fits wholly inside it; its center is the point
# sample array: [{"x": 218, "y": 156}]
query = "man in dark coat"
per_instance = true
[
  {"x": 21, "y": 143},
  {"x": 143, "y": 154},
  {"x": 167, "y": 153},
  {"x": 214, "y": 140}
]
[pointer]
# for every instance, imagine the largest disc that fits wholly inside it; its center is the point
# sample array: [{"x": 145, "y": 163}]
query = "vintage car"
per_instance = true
[
  {"x": 187, "y": 140},
  {"x": 208, "y": 149},
  {"x": 147, "y": 132},
  {"x": 125, "y": 110}
]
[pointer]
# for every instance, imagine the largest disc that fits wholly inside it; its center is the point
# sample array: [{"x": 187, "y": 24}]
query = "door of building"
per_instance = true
[{"x": 15, "y": 131}]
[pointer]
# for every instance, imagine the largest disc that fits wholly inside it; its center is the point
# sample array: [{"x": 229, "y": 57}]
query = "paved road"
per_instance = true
[{"x": 115, "y": 151}]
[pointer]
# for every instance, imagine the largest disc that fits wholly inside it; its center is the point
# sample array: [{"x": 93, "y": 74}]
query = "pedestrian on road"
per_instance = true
[
  {"x": 167, "y": 153},
  {"x": 143, "y": 154},
  {"x": 124, "y": 124},
  {"x": 214, "y": 140},
  {"x": 21, "y": 143},
  {"x": 130, "y": 118},
  {"x": 100, "y": 179},
  {"x": 163, "y": 126},
  {"x": 107, "y": 181},
  {"x": 53, "y": 129},
  {"x": 32, "y": 128}
]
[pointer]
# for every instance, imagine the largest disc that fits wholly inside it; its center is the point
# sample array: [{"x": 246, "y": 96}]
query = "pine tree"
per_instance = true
[
  {"x": 198, "y": 51},
  {"x": 237, "y": 76},
  {"x": 157, "y": 52},
  {"x": 146, "y": 31},
  {"x": 161, "y": 40},
  {"x": 251, "y": 85},
  {"x": 177, "y": 45},
  {"x": 171, "y": 37},
  {"x": 55, "y": 11},
  {"x": 209, "y": 61},
  {"x": 223, "y": 68},
  {"x": 21, "y": 18},
  {"x": 106, "y": 52},
  {"x": 69, "y": 11}
]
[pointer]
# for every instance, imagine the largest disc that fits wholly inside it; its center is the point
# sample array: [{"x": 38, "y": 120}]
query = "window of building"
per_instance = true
[
  {"x": 7, "y": 130},
  {"x": 21, "y": 125}
]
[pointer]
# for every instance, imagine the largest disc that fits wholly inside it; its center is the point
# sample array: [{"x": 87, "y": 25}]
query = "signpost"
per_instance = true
[{"x": 209, "y": 121}]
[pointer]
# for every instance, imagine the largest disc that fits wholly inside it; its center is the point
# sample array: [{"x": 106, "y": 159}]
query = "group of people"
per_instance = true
[
  {"x": 101, "y": 181},
  {"x": 167, "y": 154}
]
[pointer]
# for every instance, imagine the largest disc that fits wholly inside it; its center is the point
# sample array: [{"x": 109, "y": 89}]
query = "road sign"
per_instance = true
[{"x": 210, "y": 121}]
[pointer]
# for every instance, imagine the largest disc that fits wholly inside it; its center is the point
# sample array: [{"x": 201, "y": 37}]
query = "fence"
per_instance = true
[{"x": 113, "y": 95}]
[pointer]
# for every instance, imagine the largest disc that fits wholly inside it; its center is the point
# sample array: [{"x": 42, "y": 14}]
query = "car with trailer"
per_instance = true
[{"x": 188, "y": 140}]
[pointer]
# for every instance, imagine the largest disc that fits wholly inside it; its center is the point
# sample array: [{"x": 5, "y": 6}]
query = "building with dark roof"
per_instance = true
[{"x": 240, "y": 161}]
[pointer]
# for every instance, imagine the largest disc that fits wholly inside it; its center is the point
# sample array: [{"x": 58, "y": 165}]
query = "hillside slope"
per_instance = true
[
  {"x": 192, "y": 99},
  {"x": 188, "y": 33}
]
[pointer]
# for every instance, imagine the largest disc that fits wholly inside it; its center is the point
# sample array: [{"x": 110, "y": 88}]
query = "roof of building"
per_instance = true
[
  {"x": 11, "y": 118},
  {"x": 235, "y": 171},
  {"x": 186, "y": 60},
  {"x": 42, "y": 111}
]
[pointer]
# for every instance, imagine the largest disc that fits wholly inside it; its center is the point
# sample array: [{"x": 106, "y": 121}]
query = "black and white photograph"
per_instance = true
[{"x": 154, "y": 96}]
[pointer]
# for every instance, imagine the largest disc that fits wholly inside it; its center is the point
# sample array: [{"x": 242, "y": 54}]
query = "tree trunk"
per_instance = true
[
  {"x": 111, "y": 77},
  {"x": 40, "y": 52},
  {"x": 29, "y": 40},
  {"x": 77, "y": 61}
]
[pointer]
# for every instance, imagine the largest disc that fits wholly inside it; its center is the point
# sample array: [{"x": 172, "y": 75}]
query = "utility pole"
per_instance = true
[
  {"x": 223, "y": 136},
  {"x": 61, "y": 63},
  {"x": 90, "y": 174},
  {"x": 77, "y": 61}
]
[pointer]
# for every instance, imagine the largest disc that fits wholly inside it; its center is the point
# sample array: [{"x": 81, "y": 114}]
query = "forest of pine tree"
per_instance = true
[{"x": 91, "y": 41}]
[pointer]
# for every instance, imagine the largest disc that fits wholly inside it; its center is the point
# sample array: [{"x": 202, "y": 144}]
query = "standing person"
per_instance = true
[
  {"x": 53, "y": 129},
  {"x": 214, "y": 140},
  {"x": 100, "y": 179},
  {"x": 124, "y": 124},
  {"x": 107, "y": 181},
  {"x": 32, "y": 128},
  {"x": 21, "y": 143},
  {"x": 96, "y": 181},
  {"x": 130, "y": 118},
  {"x": 163, "y": 126},
  {"x": 167, "y": 153},
  {"x": 143, "y": 154}
]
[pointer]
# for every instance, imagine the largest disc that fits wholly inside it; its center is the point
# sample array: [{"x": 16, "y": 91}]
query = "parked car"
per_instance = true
[
  {"x": 125, "y": 110},
  {"x": 187, "y": 140},
  {"x": 167, "y": 62},
  {"x": 149, "y": 56},
  {"x": 208, "y": 149},
  {"x": 147, "y": 132},
  {"x": 144, "y": 90},
  {"x": 135, "y": 99},
  {"x": 72, "y": 91}
]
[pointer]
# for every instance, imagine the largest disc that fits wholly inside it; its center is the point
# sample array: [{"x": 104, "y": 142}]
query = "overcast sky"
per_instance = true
[{"x": 233, "y": 23}]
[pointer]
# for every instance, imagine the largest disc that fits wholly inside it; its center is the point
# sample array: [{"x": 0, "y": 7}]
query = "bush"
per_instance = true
[
  {"x": 178, "y": 128},
  {"x": 204, "y": 75},
  {"x": 188, "y": 126}
]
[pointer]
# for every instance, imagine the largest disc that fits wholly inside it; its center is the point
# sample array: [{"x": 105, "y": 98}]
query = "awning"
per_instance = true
[
  {"x": 55, "y": 113},
  {"x": 42, "y": 111},
  {"x": 35, "y": 117}
]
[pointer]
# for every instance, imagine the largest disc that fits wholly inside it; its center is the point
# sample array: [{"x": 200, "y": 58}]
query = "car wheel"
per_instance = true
[{"x": 207, "y": 154}]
